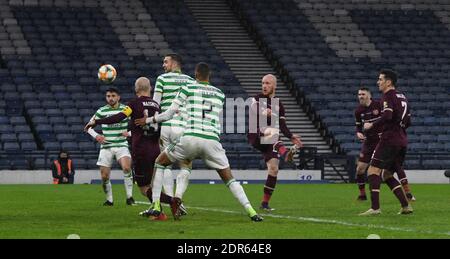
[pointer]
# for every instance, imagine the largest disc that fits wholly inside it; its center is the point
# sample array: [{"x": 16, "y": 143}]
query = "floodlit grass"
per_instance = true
[{"x": 302, "y": 211}]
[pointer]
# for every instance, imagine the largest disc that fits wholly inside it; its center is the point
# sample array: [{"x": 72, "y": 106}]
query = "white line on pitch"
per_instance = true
[{"x": 316, "y": 220}]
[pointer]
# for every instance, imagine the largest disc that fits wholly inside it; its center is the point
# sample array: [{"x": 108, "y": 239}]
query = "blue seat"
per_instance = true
[
  {"x": 18, "y": 120},
  {"x": 86, "y": 146},
  {"x": 25, "y": 137},
  {"x": 20, "y": 164},
  {"x": 4, "y": 120},
  {"x": 53, "y": 112},
  {"x": 8, "y": 137},
  {"x": 74, "y": 121},
  {"x": 70, "y": 112},
  {"x": 52, "y": 146},
  {"x": 22, "y": 129},
  {"x": 5, "y": 129},
  {"x": 64, "y": 137},
  {"x": 70, "y": 146},
  {"x": 4, "y": 164},
  {"x": 40, "y": 163},
  {"x": 44, "y": 128},
  {"x": 57, "y": 120},
  {"x": 11, "y": 146},
  {"x": 28, "y": 146}
]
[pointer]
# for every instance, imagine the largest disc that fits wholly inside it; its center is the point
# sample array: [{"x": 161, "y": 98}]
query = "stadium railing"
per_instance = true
[{"x": 309, "y": 159}]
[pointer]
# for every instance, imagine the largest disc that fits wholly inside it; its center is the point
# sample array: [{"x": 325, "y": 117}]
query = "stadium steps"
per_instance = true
[{"x": 249, "y": 64}]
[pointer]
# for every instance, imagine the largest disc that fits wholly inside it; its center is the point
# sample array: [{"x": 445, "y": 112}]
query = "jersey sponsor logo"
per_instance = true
[
  {"x": 115, "y": 125},
  {"x": 150, "y": 104}
]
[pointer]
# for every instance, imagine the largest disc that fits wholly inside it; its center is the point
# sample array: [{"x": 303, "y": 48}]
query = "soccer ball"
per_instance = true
[{"x": 107, "y": 73}]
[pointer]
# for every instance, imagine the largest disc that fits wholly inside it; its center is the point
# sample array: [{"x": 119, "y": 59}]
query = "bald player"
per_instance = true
[
  {"x": 145, "y": 139},
  {"x": 265, "y": 137}
]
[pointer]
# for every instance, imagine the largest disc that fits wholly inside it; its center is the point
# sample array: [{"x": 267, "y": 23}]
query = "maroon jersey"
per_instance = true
[
  {"x": 370, "y": 114},
  {"x": 144, "y": 140},
  {"x": 137, "y": 108},
  {"x": 278, "y": 112},
  {"x": 140, "y": 107},
  {"x": 395, "y": 118}
]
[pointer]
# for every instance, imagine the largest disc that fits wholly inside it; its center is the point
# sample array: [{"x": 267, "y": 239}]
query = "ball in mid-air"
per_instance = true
[{"x": 107, "y": 73}]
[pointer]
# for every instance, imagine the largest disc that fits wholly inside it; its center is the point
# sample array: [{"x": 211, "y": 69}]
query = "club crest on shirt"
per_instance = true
[
  {"x": 376, "y": 112},
  {"x": 385, "y": 105}
]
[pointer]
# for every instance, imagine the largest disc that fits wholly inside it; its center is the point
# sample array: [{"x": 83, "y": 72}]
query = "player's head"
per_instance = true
[
  {"x": 202, "y": 72},
  {"x": 112, "y": 96},
  {"x": 364, "y": 96},
  {"x": 63, "y": 155},
  {"x": 172, "y": 62},
  {"x": 269, "y": 85},
  {"x": 387, "y": 80},
  {"x": 142, "y": 86}
]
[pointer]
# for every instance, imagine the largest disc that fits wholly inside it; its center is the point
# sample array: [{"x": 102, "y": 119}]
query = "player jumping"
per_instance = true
[
  {"x": 166, "y": 88},
  {"x": 145, "y": 139},
  {"x": 200, "y": 139}
]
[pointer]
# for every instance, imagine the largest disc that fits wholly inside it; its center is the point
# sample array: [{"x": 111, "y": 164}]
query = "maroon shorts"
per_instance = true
[
  {"x": 267, "y": 150},
  {"x": 388, "y": 157},
  {"x": 367, "y": 151},
  {"x": 144, "y": 155}
]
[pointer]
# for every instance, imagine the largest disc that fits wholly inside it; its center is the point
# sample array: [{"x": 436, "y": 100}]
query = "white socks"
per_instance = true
[
  {"x": 239, "y": 194},
  {"x": 168, "y": 181},
  {"x": 128, "y": 183},
  {"x": 182, "y": 182},
  {"x": 107, "y": 189},
  {"x": 157, "y": 183}
]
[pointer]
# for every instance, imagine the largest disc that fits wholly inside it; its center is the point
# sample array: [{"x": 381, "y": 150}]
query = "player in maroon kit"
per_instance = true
[
  {"x": 145, "y": 139},
  {"x": 267, "y": 118},
  {"x": 391, "y": 149},
  {"x": 369, "y": 110}
]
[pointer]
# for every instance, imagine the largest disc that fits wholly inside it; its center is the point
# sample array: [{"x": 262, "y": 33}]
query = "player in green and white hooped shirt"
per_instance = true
[
  {"x": 166, "y": 88},
  {"x": 114, "y": 145},
  {"x": 200, "y": 139}
]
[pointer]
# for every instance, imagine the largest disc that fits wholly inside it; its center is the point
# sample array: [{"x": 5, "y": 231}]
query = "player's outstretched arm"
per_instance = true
[
  {"x": 165, "y": 116},
  {"x": 99, "y": 138},
  {"x": 112, "y": 119}
]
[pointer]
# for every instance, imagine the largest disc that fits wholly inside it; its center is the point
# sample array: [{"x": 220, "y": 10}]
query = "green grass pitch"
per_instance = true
[{"x": 302, "y": 211}]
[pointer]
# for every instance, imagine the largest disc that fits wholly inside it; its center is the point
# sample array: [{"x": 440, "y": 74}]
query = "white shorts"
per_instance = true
[
  {"x": 107, "y": 155},
  {"x": 189, "y": 148},
  {"x": 170, "y": 135}
]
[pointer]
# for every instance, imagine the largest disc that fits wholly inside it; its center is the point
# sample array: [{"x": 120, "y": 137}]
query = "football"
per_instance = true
[{"x": 107, "y": 73}]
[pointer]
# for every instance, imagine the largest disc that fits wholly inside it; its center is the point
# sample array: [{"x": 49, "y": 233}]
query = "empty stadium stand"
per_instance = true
[
  {"x": 322, "y": 51},
  {"x": 329, "y": 50}
]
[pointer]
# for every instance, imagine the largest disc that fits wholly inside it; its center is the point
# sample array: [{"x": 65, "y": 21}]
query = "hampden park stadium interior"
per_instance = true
[{"x": 321, "y": 52}]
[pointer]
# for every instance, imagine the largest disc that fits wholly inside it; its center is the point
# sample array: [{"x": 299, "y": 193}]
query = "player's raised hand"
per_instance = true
[
  {"x": 368, "y": 126},
  {"x": 360, "y": 136},
  {"x": 89, "y": 125},
  {"x": 140, "y": 122},
  {"x": 267, "y": 112},
  {"x": 100, "y": 139},
  {"x": 297, "y": 141}
]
